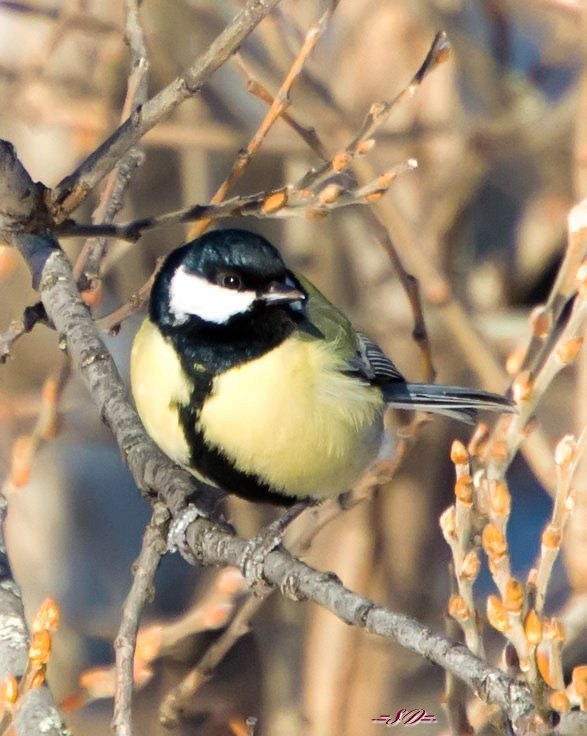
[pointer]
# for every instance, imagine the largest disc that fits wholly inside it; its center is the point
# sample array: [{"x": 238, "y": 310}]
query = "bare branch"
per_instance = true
[
  {"x": 284, "y": 202},
  {"x": 276, "y": 108},
  {"x": 153, "y": 548}
]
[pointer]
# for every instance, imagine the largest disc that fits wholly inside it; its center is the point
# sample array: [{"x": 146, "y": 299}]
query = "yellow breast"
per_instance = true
[
  {"x": 293, "y": 418},
  {"x": 158, "y": 385}
]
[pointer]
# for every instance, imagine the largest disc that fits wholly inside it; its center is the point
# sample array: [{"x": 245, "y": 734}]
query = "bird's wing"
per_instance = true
[
  {"x": 375, "y": 363},
  {"x": 362, "y": 356}
]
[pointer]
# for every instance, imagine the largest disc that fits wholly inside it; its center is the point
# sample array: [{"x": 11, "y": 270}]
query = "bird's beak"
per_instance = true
[{"x": 279, "y": 293}]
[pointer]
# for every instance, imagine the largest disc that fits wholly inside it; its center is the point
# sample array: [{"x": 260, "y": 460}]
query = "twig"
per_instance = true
[
  {"x": 279, "y": 104},
  {"x": 153, "y": 548},
  {"x": 378, "y": 114},
  {"x": 284, "y": 202},
  {"x": 72, "y": 190},
  {"x": 175, "y": 700},
  {"x": 111, "y": 322},
  {"x": 90, "y": 258},
  {"x": 308, "y": 135}
]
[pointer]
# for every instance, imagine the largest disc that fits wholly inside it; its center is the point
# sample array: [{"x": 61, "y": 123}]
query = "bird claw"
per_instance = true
[
  {"x": 253, "y": 559},
  {"x": 176, "y": 537}
]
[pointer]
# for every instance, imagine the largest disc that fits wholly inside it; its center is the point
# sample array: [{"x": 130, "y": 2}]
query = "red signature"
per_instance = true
[{"x": 406, "y": 718}]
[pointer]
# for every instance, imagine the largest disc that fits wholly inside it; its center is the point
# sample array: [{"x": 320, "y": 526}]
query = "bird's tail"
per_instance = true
[{"x": 453, "y": 401}]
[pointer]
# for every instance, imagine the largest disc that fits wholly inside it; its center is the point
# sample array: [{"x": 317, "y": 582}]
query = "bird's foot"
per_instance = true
[
  {"x": 176, "y": 537},
  {"x": 260, "y": 546}
]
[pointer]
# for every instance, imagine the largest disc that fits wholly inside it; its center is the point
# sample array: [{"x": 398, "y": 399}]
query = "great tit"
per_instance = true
[{"x": 246, "y": 375}]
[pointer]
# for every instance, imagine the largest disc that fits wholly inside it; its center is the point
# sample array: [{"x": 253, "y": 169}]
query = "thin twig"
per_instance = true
[
  {"x": 91, "y": 255},
  {"x": 153, "y": 548},
  {"x": 174, "y": 701},
  {"x": 279, "y": 104},
  {"x": 285, "y": 202}
]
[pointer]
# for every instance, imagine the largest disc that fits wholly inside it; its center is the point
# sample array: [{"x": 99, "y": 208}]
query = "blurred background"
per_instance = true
[{"x": 499, "y": 135}]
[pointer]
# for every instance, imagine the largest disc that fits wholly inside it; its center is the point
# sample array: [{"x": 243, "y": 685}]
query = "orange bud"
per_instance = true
[
  {"x": 567, "y": 351},
  {"x": 458, "y": 453},
  {"x": 341, "y": 161},
  {"x": 551, "y": 537},
  {"x": 457, "y": 608},
  {"x": 442, "y": 53},
  {"x": 464, "y": 490},
  {"x": 40, "y": 648},
  {"x": 493, "y": 542},
  {"x": 274, "y": 202},
  {"x": 533, "y": 628},
  {"x": 365, "y": 146},
  {"x": 514, "y": 596},
  {"x": 579, "y": 680},
  {"x": 515, "y": 360},
  {"x": 470, "y": 566},
  {"x": 39, "y": 677},
  {"x": 374, "y": 196},
  {"x": 559, "y": 700},
  {"x": 384, "y": 180},
  {"x": 22, "y": 456},
  {"x": 540, "y": 321},
  {"x": 500, "y": 499},
  {"x": 47, "y": 617},
  {"x": 496, "y": 614},
  {"x": 565, "y": 450},
  {"x": 522, "y": 386},
  {"x": 447, "y": 524},
  {"x": 330, "y": 194},
  {"x": 92, "y": 297},
  {"x": 9, "y": 690},
  {"x": 499, "y": 451}
]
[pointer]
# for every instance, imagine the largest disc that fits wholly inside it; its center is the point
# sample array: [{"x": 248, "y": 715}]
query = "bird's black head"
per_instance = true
[{"x": 221, "y": 277}]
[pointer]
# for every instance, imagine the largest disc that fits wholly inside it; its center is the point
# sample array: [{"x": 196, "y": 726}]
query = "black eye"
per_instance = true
[{"x": 229, "y": 280}]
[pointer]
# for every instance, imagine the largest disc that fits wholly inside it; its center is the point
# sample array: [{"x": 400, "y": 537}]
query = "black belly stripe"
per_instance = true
[{"x": 217, "y": 466}]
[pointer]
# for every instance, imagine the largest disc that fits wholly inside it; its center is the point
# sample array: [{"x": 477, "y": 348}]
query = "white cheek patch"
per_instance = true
[{"x": 192, "y": 295}]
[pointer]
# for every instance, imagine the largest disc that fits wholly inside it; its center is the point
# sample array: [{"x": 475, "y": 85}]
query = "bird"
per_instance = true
[{"x": 247, "y": 376}]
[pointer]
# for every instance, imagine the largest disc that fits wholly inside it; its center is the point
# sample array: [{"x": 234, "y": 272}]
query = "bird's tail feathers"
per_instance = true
[{"x": 453, "y": 401}]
